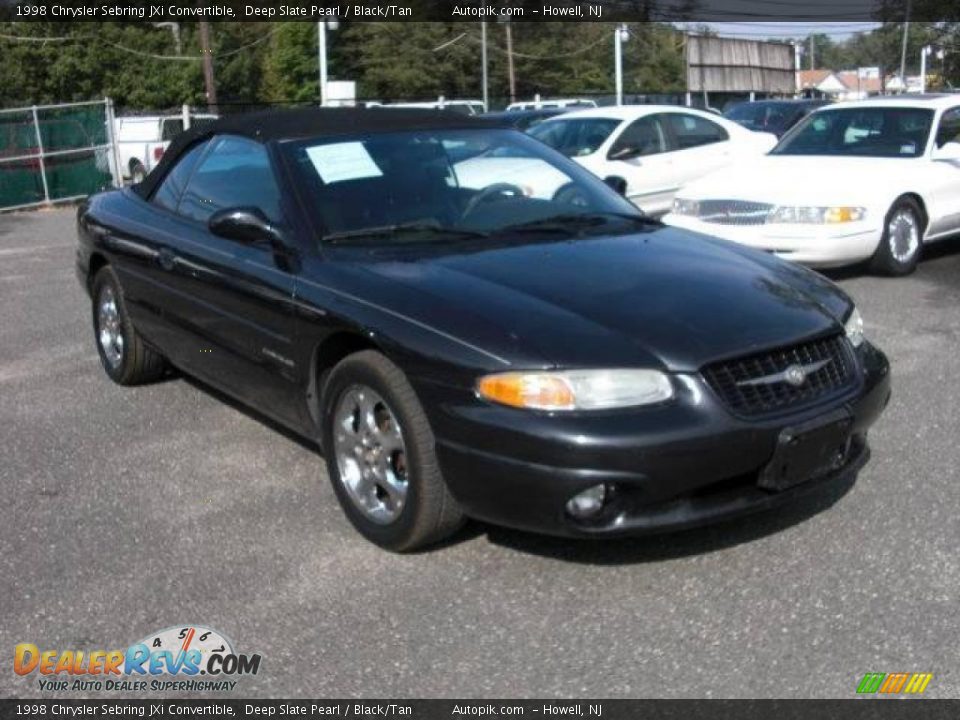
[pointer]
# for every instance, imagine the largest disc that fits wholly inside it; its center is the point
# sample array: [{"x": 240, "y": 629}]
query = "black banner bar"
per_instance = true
[
  {"x": 474, "y": 10},
  {"x": 858, "y": 709}
]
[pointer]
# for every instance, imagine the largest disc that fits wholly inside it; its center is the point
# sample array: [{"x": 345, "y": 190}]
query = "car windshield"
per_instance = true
[
  {"x": 448, "y": 185},
  {"x": 889, "y": 132},
  {"x": 762, "y": 116},
  {"x": 575, "y": 137}
]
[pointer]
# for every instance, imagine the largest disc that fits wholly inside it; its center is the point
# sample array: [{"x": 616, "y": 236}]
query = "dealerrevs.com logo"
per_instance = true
[
  {"x": 894, "y": 683},
  {"x": 181, "y": 658}
]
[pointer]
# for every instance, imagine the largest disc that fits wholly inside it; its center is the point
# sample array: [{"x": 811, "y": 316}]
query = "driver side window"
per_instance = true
[
  {"x": 234, "y": 173},
  {"x": 645, "y": 136},
  {"x": 949, "y": 130}
]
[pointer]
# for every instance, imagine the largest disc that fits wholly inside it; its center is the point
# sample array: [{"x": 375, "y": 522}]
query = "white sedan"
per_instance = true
[
  {"x": 651, "y": 150},
  {"x": 871, "y": 180}
]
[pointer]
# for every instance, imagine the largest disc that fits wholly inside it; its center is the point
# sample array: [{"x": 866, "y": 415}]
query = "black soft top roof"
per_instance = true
[{"x": 306, "y": 123}]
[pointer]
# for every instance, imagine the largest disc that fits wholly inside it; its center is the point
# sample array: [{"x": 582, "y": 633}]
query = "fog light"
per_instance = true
[{"x": 588, "y": 503}]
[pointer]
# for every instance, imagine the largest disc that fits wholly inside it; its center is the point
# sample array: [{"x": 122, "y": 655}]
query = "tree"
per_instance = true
[
  {"x": 290, "y": 65},
  {"x": 397, "y": 61}
]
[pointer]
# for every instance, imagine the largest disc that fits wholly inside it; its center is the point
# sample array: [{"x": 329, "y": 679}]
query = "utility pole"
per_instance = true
[
  {"x": 903, "y": 51},
  {"x": 510, "y": 72},
  {"x": 322, "y": 27},
  {"x": 813, "y": 52},
  {"x": 924, "y": 52},
  {"x": 322, "y": 60},
  {"x": 208, "y": 78},
  {"x": 483, "y": 62},
  {"x": 797, "y": 89},
  {"x": 620, "y": 34}
]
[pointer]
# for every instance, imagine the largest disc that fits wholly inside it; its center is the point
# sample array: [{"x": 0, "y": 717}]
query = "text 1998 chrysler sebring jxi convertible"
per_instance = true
[{"x": 559, "y": 364}]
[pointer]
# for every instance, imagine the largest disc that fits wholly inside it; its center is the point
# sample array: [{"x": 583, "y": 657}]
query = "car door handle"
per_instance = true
[{"x": 167, "y": 259}]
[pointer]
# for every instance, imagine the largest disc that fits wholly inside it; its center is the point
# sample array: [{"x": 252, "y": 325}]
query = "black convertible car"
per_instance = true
[{"x": 516, "y": 343}]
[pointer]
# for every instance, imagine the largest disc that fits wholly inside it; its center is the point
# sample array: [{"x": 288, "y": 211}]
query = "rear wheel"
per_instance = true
[
  {"x": 123, "y": 354},
  {"x": 380, "y": 456},
  {"x": 899, "y": 249}
]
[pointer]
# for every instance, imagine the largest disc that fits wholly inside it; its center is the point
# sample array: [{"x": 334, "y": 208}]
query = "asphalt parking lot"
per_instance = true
[{"x": 125, "y": 511}]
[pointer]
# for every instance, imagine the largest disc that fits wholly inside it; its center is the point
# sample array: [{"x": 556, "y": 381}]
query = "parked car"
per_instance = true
[
  {"x": 654, "y": 149},
  {"x": 870, "y": 180},
  {"x": 524, "y": 119},
  {"x": 464, "y": 107},
  {"x": 566, "y": 365},
  {"x": 142, "y": 140},
  {"x": 569, "y": 103},
  {"x": 772, "y": 116}
]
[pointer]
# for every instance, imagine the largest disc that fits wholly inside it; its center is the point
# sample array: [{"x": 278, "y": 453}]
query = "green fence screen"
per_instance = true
[{"x": 76, "y": 153}]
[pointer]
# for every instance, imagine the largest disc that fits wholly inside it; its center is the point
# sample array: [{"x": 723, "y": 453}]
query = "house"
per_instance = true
[
  {"x": 820, "y": 84},
  {"x": 842, "y": 85},
  {"x": 861, "y": 83}
]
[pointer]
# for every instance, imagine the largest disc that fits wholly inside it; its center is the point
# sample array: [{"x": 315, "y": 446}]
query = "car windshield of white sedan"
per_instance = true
[
  {"x": 575, "y": 137},
  {"x": 444, "y": 186},
  {"x": 888, "y": 132}
]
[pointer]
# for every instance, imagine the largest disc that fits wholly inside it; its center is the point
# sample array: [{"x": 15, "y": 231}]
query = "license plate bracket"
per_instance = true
[{"x": 808, "y": 451}]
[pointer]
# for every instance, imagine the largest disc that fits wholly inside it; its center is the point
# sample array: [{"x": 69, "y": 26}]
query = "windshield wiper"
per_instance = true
[
  {"x": 571, "y": 222},
  {"x": 437, "y": 230}
]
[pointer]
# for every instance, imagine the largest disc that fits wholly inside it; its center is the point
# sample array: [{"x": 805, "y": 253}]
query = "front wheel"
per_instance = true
[
  {"x": 380, "y": 456},
  {"x": 123, "y": 354},
  {"x": 899, "y": 249}
]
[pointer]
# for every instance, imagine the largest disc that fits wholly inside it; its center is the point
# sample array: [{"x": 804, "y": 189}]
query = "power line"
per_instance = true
[
  {"x": 526, "y": 56},
  {"x": 133, "y": 51}
]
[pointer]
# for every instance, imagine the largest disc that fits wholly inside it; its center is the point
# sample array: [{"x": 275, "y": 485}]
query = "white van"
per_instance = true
[
  {"x": 142, "y": 140},
  {"x": 464, "y": 107},
  {"x": 557, "y": 103}
]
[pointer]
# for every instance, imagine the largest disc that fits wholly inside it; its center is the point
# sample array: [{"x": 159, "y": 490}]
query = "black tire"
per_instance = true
[
  {"x": 429, "y": 512},
  {"x": 137, "y": 172},
  {"x": 887, "y": 262},
  {"x": 137, "y": 363}
]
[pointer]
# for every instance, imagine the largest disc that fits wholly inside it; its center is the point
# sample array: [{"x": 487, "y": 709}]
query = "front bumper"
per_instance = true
[
  {"x": 688, "y": 462},
  {"x": 813, "y": 245}
]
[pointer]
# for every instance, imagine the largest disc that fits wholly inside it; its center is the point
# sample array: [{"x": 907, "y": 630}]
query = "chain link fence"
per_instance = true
[
  {"x": 60, "y": 153},
  {"x": 55, "y": 153}
]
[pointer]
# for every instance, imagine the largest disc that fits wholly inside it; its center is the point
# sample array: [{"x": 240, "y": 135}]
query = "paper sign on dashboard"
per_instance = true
[{"x": 343, "y": 161}]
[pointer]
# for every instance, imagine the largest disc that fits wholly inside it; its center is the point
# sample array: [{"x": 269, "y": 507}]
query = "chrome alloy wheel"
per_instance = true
[
  {"x": 903, "y": 234},
  {"x": 109, "y": 327},
  {"x": 370, "y": 453}
]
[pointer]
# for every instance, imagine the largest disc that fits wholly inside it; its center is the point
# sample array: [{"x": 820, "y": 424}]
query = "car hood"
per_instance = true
[
  {"x": 795, "y": 180},
  {"x": 666, "y": 296}
]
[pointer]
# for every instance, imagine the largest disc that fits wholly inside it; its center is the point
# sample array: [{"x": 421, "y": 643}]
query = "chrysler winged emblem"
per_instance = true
[{"x": 795, "y": 375}]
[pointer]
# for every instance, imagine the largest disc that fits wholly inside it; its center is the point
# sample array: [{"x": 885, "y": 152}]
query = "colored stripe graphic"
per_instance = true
[
  {"x": 870, "y": 683},
  {"x": 894, "y": 683},
  {"x": 918, "y": 683}
]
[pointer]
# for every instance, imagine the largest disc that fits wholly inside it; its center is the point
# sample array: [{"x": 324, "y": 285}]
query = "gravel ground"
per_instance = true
[{"x": 126, "y": 511}]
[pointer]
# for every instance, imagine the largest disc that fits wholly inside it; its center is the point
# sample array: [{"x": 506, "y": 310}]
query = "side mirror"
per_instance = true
[
  {"x": 618, "y": 184},
  {"x": 246, "y": 225},
  {"x": 624, "y": 153},
  {"x": 950, "y": 152}
]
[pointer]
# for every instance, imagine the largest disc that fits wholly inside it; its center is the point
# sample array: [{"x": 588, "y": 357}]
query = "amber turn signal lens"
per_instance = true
[
  {"x": 842, "y": 215},
  {"x": 528, "y": 390}
]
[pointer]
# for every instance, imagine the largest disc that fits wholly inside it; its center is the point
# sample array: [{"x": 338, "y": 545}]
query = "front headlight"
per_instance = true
[
  {"x": 854, "y": 328},
  {"x": 576, "y": 389},
  {"x": 682, "y": 206},
  {"x": 805, "y": 215}
]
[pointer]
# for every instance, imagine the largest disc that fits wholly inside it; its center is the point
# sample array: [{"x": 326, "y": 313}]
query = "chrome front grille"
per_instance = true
[
  {"x": 758, "y": 384},
  {"x": 733, "y": 212}
]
